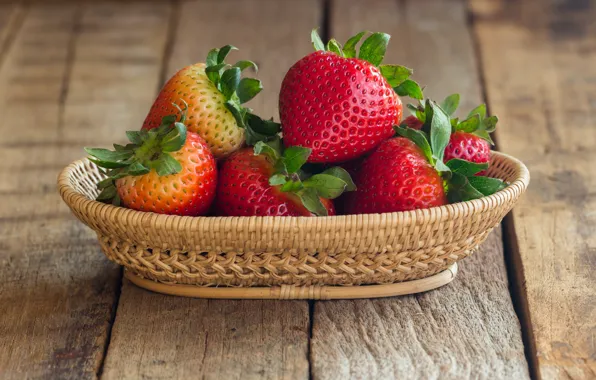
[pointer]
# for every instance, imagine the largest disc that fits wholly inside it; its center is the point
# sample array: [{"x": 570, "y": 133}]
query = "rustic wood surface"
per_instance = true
[
  {"x": 443, "y": 333},
  {"x": 75, "y": 74},
  {"x": 57, "y": 293},
  {"x": 543, "y": 90}
]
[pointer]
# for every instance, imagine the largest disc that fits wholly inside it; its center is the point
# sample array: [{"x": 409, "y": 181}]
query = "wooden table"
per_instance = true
[{"x": 78, "y": 74}]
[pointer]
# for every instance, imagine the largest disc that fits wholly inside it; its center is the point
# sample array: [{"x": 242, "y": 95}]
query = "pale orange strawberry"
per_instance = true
[
  {"x": 207, "y": 113},
  {"x": 166, "y": 170},
  {"x": 214, "y": 92}
]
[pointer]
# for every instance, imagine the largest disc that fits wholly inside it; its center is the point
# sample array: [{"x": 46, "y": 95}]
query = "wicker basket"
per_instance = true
[{"x": 299, "y": 257}]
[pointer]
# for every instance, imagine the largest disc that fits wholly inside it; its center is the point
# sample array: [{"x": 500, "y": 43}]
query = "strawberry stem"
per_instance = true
[
  {"x": 149, "y": 150},
  {"x": 290, "y": 177}
]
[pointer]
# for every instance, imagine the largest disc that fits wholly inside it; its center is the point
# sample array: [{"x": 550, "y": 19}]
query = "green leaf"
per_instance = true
[
  {"x": 107, "y": 164},
  {"x": 486, "y": 185},
  {"x": 450, "y": 104},
  {"x": 223, "y": 53},
  {"x": 419, "y": 138},
  {"x": 350, "y": 46},
  {"x": 490, "y": 123},
  {"x": 109, "y": 155},
  {"x": 213, "y": 73},
  {"x": 442, "y": 168},
  {"x": 292, "y": 186},
  {"x": 107, "y": 194},
  {"x": 122, "y": 148},
  {"x": 480, "y": 111},
  {"x": 310, "y": 199},
  {"x": 267, "y": 150},
  {"x": 484, "y": 135},
  {"x": 277, "y": 179},
  {"x": 334, "y": 46},
  {"x": 327, "y": 186},
  {"x": 294, "y": 157},
  {"x": 412, "y": 107},
  {"x": 466, "y": 168},
  {"x": 409, "y": 88},
  {"x": 374, "y": 47},
  {"x": 230, "y": 80},
  {"x": 242, "y": 65},
  {"x": 440, "y": 130},
  {"x": 248, "y": 88},
  {"x": 469, "y": 125},
  {"x": 316, "y": 40},
  {"x": 395, "y": 74},
  {"x": 454, "y": 123},
  {"x": 136, "y": 168},
  {"x": 421, "y": 115},
  {"x": 257, "y": 129},
  {"x": 134, "y": 137},
  {"x": 166, "y": 164},
  {"x": 212, "y": 57},
  {"x": 105, "y": 183},
  {"x": 264, "y": 127},
  {"x": 237, "y": 111},
  {"x": 175, "y": 139},
  {"x": 460, "y": 189},
  {"x": 342, "y": 174}
]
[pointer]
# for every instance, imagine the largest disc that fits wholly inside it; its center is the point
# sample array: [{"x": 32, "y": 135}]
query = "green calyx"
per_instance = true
[
  {"x": 461, "y": 181},
  {"x": 373, "y": 50},
  {"x": 290, "y": 177},
  {"x": 477, "y": 122},
  {"x": 147, "y": 150},
  {"x": 237, "y": 91}
]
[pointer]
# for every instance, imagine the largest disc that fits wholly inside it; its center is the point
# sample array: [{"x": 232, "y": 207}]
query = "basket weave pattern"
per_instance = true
[{"x": 267, "y": 251}]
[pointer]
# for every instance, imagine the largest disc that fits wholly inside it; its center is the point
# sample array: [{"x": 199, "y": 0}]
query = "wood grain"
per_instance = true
[
  {"x": 169, "y": 337},
  {"x": 467, "y": 329},
  {"x": 58, "y": 291},
  {"x": 543, "y": 90}
]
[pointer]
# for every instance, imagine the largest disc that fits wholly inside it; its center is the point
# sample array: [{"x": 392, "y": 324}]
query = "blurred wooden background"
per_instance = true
[{"x": 80, "y": 73}]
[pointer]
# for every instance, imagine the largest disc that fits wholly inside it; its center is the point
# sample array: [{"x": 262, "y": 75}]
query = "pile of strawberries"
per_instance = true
[{"x": 202, "y": 152}]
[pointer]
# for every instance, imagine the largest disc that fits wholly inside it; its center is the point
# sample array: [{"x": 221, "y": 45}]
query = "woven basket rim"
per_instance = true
[{"x": 77, "y": 201}]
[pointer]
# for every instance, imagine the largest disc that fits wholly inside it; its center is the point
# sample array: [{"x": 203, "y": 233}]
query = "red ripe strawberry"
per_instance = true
[
  {"x": 396, "y": 177},
  {"x": 214, "y": 93},
  {"x": 407, "y": 173},
  {"x": 189, "y": 192},
  {"x": 469, "y": 147},
  {"x": 166, "y": 170},
  {"x": 341, "y": 106},
  {"x": 244, "y": 189},
  {"x": 470, "y": 139}
]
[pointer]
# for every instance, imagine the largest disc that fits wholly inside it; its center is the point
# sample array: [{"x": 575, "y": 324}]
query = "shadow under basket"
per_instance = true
[{"x": 347, "y": 256}]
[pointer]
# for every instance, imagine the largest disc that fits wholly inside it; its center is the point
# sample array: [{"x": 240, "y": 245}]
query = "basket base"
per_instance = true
[{"x": 292, "y": 292}]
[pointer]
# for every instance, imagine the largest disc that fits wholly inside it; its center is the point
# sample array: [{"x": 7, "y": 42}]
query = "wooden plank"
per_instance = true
[
  {"x": 543, "y": 90},
  {"x": 180, "y": 338},
  {"x": 467, "y": 329},
  {"x": 57, "y": 291}
]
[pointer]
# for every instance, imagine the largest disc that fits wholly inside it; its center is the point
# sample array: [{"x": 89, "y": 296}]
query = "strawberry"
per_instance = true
[
  {"x": 264, "y": 182},
  {"x": 469, "y": 147},
  {"x": 214, "y": 93},
  {"x": 408, "y": 172},
  {"x": 396, "y": 177},
  {"x": 470, "y": 139},
  {"x": 341, "y": 106},
  {"x": 166, "y": 170}
]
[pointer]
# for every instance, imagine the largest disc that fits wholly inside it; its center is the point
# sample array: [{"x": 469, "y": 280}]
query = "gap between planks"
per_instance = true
[{"x": 511, "y": 253}]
